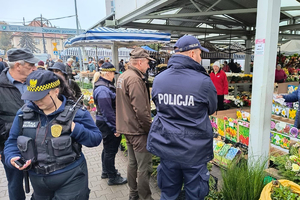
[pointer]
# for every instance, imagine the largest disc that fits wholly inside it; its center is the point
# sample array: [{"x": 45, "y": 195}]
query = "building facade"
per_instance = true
[
  {"x": 59, "y": 39},
  {"x": 110, "y": 6}
]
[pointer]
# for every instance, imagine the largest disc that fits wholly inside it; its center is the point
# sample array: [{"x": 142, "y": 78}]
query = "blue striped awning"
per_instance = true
[{"x": 105, "y": 37}]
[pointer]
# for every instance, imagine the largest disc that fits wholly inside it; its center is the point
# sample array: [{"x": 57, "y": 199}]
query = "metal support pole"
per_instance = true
[
  {"x": 43, "y": 35},
  {"x": 248, "y": 56},
  {"x": 267, "y": 26},
  {"x": 115, "y": 56},
  {"x": 79, "y": 50}
]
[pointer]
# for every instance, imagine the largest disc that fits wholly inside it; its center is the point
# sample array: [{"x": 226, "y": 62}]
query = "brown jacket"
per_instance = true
[{"x": 133, "y": 106}]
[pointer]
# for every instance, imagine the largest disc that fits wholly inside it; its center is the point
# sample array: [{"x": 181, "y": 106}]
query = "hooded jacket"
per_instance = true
[
  {"x": 184, "y": 97},
  {"x": 10, "y": 103},
  {"x": 133, "y": 104},
  {"x": 85, "y": 132}
]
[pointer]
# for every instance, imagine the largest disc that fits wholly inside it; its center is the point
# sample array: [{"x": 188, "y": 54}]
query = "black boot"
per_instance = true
[
  {"x": 118, "y": 180},
  {"x": 105, "y": 175}
]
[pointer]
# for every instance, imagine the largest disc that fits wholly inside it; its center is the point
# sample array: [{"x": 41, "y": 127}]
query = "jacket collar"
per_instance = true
[
  {"x": 138, "y": 72},
  {"x": 4, "y": 82},
  {"x": 179, "y": 61}
]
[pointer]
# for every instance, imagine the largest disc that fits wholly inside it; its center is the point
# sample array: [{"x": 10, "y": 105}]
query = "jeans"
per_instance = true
[
  {"x": 15, "y": 181},
  {"x": 171, "y": 175}
]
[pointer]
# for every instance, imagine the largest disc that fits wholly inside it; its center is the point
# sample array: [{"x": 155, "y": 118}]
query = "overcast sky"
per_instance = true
[{"x": 89, "y": 11}]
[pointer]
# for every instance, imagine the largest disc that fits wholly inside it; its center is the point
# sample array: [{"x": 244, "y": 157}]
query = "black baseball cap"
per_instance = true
[
  {"x": 60, "y": 66},
  {"x": 108, "y": 67},
  {"x": 14, "y": 55},
  {"x": 39, "y": 83},
  {"x": 188, "y": 42}
]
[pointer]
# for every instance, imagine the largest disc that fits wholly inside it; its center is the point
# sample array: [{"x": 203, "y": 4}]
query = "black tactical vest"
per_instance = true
[
  {"x": 49, "y": 147},
  {"x": 111, "y": 87}
]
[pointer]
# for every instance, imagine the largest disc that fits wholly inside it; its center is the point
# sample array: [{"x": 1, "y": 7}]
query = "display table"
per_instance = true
[{"x": 235, "y": 85}]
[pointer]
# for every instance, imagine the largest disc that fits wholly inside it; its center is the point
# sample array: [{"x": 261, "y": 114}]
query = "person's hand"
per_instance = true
[
  {"x": 73, "y": 126},
  {"x": 117, "y": 134},
  {"x": 279, "y": 96},
  {"x": 12, "y": 162}
]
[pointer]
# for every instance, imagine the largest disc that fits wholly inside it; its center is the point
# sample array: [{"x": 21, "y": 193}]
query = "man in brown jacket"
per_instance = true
[{"x": 134, "y": 120}]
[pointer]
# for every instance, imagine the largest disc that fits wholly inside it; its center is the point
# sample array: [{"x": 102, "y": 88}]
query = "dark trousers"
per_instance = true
[
  {"x": 15, "y": 181},
  {"x": 139, "y": 167},
  {"x": 171, "y": 175},
  {"x": 69, "y": 185},
  {"x": 111, "y": 144},
  {"x": 220, "y": 102}
]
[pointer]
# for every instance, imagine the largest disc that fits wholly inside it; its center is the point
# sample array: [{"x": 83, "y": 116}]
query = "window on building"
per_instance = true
[
  {"x": 112, "y": 10},
  {"x": 57, "y": 41},
  {"x": 112, "y": 3},
  {"x": 36, "y": 41}
]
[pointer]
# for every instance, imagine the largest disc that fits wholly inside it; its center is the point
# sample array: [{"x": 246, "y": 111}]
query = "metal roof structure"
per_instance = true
[{"x": 217, "y": 21}]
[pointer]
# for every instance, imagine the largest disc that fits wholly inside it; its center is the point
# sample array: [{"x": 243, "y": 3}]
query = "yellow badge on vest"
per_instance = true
[{"x": 56, "y": 130}]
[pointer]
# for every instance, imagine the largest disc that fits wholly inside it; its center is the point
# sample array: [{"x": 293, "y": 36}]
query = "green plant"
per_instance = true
[
  {"x": 243, "y": 181},
  {"x": 282, "y": 192},
  {"x": 213, "y": 192},
  {"x": 289, "y": 165},
  {"x": 123, "y": 144}
]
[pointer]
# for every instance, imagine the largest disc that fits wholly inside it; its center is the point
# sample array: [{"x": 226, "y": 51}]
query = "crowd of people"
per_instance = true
[{"x": 43, "y": 125}]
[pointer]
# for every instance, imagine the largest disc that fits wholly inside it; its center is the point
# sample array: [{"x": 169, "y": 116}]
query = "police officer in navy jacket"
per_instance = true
[
  {"x": 181, "y": 133},
  {"x": 48, "y": 133}
]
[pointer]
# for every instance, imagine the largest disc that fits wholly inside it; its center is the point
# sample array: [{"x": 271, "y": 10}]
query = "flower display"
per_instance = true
[
  {"x": 283, "y": 113},
  {"x": 294, "y": 132},
  {"x": 295, "y": 168},
  {"x": 239, "y": 114},
  {"x": 277, "y": 110},
  {"x": 292, "y": 114},
  {"x": 272, "y": 125},
  {"x": 278, "y": 127}
]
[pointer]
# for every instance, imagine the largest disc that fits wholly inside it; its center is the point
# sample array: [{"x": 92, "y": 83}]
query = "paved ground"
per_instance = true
[{"x": 99, "y": 188}]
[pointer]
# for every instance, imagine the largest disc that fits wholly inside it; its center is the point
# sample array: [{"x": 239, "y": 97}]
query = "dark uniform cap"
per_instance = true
[
  {"x": 108, "y": 67},
  {"x": 21, "y": 54},
  {"x": 139, "y": 52},
  {"x": 60, "y": 66},
  {"x": 188, "y": 42},
  {"x": 39, "y": 83}
]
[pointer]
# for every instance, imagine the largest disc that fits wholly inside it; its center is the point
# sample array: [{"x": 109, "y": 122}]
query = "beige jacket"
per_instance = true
[{"x": 133, "y": 106}]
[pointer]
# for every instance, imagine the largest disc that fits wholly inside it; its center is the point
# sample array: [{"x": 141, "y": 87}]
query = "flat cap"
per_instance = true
[
  {"x": 21, "y": 54},
  {"x": 139, "y": 52}
]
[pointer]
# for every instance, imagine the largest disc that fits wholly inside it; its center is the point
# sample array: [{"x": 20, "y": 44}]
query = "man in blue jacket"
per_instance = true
[{"x": 181, "y": 133}]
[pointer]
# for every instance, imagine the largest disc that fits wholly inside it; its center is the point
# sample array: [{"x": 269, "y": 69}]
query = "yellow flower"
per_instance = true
[
  {"x": 248, "y": 118},
  {"x": 283, "y": 112},
  {"x": 292, "y": 113},
  {"x": 293, "y": 157},
  {"x": 296, "y": 88},
  {"x": 295, "y": 168},
  {"x": 239, "y": 114},
  {"x": 230, "y": 119}
]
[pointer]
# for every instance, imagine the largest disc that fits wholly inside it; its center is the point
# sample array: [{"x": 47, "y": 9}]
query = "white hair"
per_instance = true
[
  {"x": 70, "y": 60},
  {"x": 12, "y": 64}
]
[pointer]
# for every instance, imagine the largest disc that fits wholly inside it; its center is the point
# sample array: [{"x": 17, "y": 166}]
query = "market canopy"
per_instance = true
[
  {"x": 147, "y": 48},
  {"x": 106, "y": 37},
  {"x": 290, "y": 47}
]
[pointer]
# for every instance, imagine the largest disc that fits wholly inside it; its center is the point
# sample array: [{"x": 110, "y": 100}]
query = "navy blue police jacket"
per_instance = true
[
  {"x": 85, "y": 132},
  {"x": 184, "y": 96}
]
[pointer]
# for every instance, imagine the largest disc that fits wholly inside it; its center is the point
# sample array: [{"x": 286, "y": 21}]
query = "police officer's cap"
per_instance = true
[
  {"x": 39, "y": 83},
  {"x": 188, "y": 42},
  {"x": 108, "y": 67},
  {"x": 59, "y": 66},
  {"x": 14, "y": 55}
]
